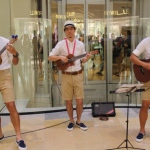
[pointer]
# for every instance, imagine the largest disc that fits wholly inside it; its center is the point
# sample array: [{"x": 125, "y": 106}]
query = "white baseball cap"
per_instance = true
[{"x": 69, "y": 23}]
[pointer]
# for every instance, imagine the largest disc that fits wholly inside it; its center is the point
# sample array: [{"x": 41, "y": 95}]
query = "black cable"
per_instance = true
[
  {"x": 101, "y": 116},
  {"x": 49, "y": 126},
  {"x": 2, "y": 108},
  {"x": 39, "y": 129},
  {"x": 56, "y": 83}
]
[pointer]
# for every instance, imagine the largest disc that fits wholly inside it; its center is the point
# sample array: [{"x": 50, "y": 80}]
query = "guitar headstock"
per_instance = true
[
  {"x": 94, "y": 52},
  {"x": 13, "y": 39}
]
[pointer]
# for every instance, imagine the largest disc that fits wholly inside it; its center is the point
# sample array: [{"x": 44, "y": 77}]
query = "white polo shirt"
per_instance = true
[
  {"x": 6, "y": 56},
  {"x": 143, "y": 48},
  {"x": 61, "y": 50}
]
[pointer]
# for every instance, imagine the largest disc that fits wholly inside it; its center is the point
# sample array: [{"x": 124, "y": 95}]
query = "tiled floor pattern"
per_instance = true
[{"x": 48, "y": 132}]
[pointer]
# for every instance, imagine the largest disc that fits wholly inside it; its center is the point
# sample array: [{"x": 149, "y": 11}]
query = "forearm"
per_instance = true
[
  {"x": 85, "y": 59},
  {"x": 137, "y": 61},
  {"x": 54, "y": 58}
]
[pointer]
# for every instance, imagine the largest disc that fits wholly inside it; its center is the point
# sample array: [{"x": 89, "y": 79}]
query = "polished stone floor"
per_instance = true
[{"x": 48, "y": 132}]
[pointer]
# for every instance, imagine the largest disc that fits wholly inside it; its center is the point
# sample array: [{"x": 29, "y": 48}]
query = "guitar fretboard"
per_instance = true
[
  {"x": 2, "y": 50},
  {"x": 13, "y": 39}
]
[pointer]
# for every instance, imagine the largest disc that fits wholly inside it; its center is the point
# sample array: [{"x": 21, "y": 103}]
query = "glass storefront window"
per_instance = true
[{"x": 113, "y": 28}]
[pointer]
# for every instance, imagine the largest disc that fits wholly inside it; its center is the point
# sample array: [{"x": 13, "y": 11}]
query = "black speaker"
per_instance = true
[{"x": 103, "y": 109}]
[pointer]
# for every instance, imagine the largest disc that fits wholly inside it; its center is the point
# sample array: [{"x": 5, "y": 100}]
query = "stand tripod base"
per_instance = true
[{"x": 125, "y": 141}]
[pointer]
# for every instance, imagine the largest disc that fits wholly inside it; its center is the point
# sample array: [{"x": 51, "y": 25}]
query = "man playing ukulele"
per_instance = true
[{"x": 72, "y": 78}]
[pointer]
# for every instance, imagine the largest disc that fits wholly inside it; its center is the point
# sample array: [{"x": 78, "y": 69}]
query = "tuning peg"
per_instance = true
[{"x": 16, "y": 36}]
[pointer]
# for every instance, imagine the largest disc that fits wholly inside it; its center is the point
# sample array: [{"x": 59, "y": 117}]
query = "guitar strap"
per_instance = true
[{"x": 68, "y": 47}]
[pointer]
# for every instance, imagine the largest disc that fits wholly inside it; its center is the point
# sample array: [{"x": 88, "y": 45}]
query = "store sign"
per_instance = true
[
  {"x": 35, "y": 13},
  {"x": 69, "y": 14},
  {"x": 61, "y": 16},
  {"x": 116, "y": 12},
  {"x": 73, "y": 19}
]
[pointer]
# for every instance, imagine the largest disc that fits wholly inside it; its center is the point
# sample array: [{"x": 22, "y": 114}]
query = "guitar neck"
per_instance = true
[
  {"x": 77, "y": 57},
  {"x": 13, "y": 39},
  {"x": 2, "y": 50}
]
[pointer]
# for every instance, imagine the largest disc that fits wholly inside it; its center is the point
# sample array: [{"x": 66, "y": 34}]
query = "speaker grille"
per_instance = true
[{"x": 103, "y": 109}]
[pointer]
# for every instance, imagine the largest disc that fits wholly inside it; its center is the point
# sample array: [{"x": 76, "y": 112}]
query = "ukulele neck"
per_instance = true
[{"x": 76, "y": 57}]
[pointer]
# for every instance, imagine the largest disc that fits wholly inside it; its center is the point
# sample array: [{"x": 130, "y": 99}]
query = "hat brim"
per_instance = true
[{"x": 69, "y": 25}]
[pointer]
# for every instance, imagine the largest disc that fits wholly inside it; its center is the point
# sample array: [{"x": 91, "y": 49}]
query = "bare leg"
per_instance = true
[
  {"x": 143, "y": 115},
  {"x": 1, "y": 134},
  {"x": 40, "y": 64},
  {"x": 119, "y": 61},
  {"x": 69, "y": 108},
  {"x": 15, "y": 119},
  {"x": 79, "y": 109}
]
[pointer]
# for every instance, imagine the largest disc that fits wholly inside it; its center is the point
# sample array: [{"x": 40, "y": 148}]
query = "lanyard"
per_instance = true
[{"x": 73, "y": 46}]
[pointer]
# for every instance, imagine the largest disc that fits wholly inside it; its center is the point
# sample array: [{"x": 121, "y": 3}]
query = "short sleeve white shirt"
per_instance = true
[
  {"x": 6, "y": 56},
  {"x": 143, "y": 48},
  {"x": 61, "y": 50}
]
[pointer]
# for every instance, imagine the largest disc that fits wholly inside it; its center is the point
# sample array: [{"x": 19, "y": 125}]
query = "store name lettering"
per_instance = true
[
  {"x": 64, "y": 17},
  {"x": 69, "y": 14},
  {"x": 35, "y": 13},
  {"x": 115, "y": 12}
]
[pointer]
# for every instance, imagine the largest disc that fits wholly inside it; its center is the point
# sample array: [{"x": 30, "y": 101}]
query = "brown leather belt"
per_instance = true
[{"x": 72, "y": 73}]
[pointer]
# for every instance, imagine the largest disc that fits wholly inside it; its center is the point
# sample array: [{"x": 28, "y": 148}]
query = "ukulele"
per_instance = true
[
  {"x": 13, "y": 39},
  {"x": 63, "y": 66},
  {"x": 142, "y": 74}
]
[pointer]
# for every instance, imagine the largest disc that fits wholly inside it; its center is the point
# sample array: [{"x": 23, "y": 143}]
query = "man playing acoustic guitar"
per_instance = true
[
  {"x": 143, "y": 48},
  {"x": 72, "y": 78}
]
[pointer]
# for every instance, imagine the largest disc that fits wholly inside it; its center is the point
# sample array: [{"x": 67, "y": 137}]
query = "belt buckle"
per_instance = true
[
  {"x": 64, "y": 72},
  {"x": 76, "y": 72}
]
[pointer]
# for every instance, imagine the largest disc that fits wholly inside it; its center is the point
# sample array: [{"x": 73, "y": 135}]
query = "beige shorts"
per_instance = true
[
  {"x": 146, "y": 94},
  {"x": 6, "y": 86},
  {"x": 72, "y": 86}
]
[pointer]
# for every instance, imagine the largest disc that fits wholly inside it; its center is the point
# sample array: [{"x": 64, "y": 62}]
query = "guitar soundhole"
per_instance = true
[{"x": 62, "y": 63}]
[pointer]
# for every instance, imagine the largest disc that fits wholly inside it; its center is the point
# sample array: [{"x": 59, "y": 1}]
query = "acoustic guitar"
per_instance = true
[
  {"x": 142, "y": 74},
  {"x": 71, "y": 58},
  {"x": 13, "y": 39}
]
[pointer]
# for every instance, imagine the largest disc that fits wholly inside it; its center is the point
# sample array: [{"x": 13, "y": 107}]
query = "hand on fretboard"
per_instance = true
[{"x": 13, "y": 39}]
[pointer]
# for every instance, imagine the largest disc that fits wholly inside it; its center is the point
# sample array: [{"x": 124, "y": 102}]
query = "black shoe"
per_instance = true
[
  {"x": 118, "y": 75},
  {"x": 140, "y": 137},
  {"x": 21, "y": 145},
  {"x": 99, "y": 73},
  {"x": 81, "y": 126},
  {"x": 70, "y": 126}
]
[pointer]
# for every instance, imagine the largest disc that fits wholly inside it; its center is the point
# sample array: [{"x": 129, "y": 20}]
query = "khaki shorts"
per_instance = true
[
  {"x": 72, "y": 86},
  {"x": 6, "y": 86},
  {"x": 146, "y": 94}
]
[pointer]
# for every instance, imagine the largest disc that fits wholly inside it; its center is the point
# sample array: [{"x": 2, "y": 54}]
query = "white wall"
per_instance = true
[{"x": 5, "y": 18}]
